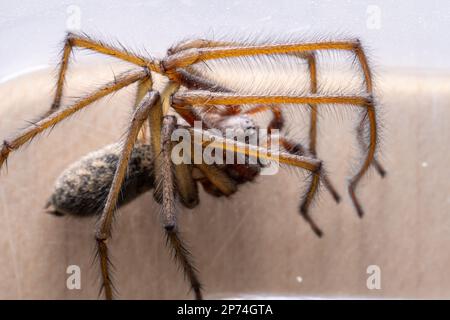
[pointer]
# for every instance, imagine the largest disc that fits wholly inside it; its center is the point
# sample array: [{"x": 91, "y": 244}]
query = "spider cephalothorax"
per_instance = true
[{"x": 105, "y": 179}]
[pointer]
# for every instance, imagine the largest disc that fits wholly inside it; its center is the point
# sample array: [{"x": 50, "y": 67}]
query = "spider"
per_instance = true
[{"x": 117, "y": 174}]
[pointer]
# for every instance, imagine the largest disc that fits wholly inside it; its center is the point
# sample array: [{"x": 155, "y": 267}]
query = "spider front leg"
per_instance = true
[
  {"x": 361, "y": 56},
  {"x": 167, "y": 176},
  {"x": 103, "y": 232},
  {"x": 204, "y": 98},
  {"x": 292, "y": 147},
  {"x": 194, "y": 54},
  {"x": 363, "y": 146},
  {"x": 296, "y": 148},
  {"x": 277, "y": 120},
  {"x": 181, "y": 253},
  {"x": 190, "y": 52},
  {"x": 312, "y": 67},
  {"x": 312, "y": 165},
  {"x": 187, "y": 187},
  {"x": 81, "y": 41},
  {"x": 369, "y": 158},
  {"x": 51, "y": 120}
]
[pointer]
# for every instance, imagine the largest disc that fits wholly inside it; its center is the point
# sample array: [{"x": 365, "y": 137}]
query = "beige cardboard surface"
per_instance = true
[{"x": 255, "y": 242}]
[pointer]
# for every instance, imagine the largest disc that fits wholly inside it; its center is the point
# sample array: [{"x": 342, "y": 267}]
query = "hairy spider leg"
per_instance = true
[
  {"x": 181, "y": 253},
  {"x": 314, "y": 166},
  {"x": 202, "y": 98},
  {"x": 103, "y": 230},
  {"x": 196, "y": 98},
  {"x": 277, "y": 120},
  {"x": 189, "y": 57},
  {"x": 51, "y": 120},
  {"x": 82, "y": 41}
]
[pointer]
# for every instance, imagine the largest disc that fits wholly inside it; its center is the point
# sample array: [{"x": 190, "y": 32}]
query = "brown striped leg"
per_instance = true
[
  {"x": 103, "y": 232},
  {"x": 186, "y": 58},
  {"x": 180, "y": 250},
  {"x": 51, "y": 120},
  {"x": 201, "y": 98},
  {"x": 277, "y": 121},
  {"x": 310, "y": 164},
  {"x": 82, "y": 41}
]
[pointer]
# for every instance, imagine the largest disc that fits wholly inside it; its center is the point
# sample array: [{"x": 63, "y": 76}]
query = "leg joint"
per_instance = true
[
  {"x": 370, "y": 103},
  {"x": 318, "y": 168},
  {"x": 70, "y": 39},
  {"x": 101, "y": 236},
  {"x": 357, "y": 47},
  {"x": 142, "y": 112},
  {"x": 6, "y": 149}
]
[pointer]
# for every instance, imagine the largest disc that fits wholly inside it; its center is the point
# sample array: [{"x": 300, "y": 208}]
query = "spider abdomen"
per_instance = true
[{"x": 83, "y": 187}]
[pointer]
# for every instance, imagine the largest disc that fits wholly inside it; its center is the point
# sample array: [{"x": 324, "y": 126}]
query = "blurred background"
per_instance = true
[
  {"x": 254, "y": 244},
  {"x": 399, "y": 33}
]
